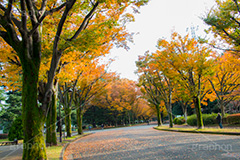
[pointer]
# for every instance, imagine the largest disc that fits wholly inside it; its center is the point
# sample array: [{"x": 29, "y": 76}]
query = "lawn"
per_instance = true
[
  {"x": 205, "y": 130},
  {"x": 54, "y": 152},
  {"x": 4, "y": 140}
]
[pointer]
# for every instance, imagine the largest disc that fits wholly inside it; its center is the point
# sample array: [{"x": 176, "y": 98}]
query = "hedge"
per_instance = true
[
  {"x": 208, "y": 119},
  {"x": 233, "y": 118},
  {"x": 179, "y": 120}
]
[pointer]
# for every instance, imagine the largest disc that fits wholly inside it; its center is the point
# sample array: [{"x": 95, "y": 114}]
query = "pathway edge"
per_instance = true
[{"x": 194, "y": 131}]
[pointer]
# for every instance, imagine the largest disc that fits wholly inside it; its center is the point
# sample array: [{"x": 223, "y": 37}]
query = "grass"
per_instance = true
[
  {"x": 6, "y": 140},
  {"x": 3, "y": 140},
  {"x": 53, "y": 152},
  {"x": 205, "y": 130}
]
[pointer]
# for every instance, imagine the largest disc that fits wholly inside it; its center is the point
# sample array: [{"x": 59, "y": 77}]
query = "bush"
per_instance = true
[
  {"x": 179, "y": 120},
  {"x": 16, "y": 130},
  {"x": 192, "y": 120},
  {"x": 233, "y": 118},
  {"x": 175, "y": 120},
  {"x": 208, "y": 119}
]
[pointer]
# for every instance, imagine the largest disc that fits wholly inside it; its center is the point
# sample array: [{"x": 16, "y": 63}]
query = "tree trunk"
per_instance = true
[
  {"x": 33, "y": 116},
  {"x": 79, "y": 120},
  {"x": 170, "y": 119},
  {"x": 60, "y": 123},
  {"x": 51, "y": 136},
  {"x": 198, "y": 112},
  {"x": 170, "y": 106},
  {"x": 185, "y": 114},
  {"x": 184, "y": 109},
  {"x": 116, "y": 117},
  {"x": 68, "y": 122},
  {"x": 222, "y": 108},
  {"x": 129, "y": 118},
  {"x": 48, "y": 125},
  {"x": 159, "y": 119}
]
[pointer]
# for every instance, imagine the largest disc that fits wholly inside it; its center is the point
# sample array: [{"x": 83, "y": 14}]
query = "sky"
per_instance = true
[{"x": 157, "y": 20}]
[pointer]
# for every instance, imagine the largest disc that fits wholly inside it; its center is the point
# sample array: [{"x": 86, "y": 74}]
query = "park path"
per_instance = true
[
  {"x": 13, "y": 152},
  {"x": 144, "y": 142}
]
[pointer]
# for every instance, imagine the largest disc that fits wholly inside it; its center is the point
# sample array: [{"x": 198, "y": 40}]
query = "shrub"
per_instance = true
[
  {"x": 192, "y": 120},
  {"x": 175, "y": 120},
  {"x": 16, "y": 130},
  {"x": 179, "y": 120},
  {"x": 233, "y": 118},
  {"x": 208, "y": 119}
]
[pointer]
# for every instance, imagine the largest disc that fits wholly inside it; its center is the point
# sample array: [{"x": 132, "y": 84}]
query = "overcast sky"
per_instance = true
[{"x": 157, "y": 20}]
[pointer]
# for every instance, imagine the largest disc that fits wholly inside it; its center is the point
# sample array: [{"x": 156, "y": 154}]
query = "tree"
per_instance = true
[
  {"x": 224, "y": 23},
  {"x": 16, "y": 130},
  {"x": 22, "y": 31},
  {"x": 182, "y": 96},
  {"x": 91, "y": 83},
  {"x": 119, "y": 97},
  {"x": 149, "y": 90},
  {"x": 226, "y": 80},
  {"x": 11, "y": 109},
  {"x": 191, "y": 62},
  {"x": 66, "y": 93},
  {"x": 142, "y": 109},
  {"x": 51, "y": 135},
  {"x": 161, "y": 80}
]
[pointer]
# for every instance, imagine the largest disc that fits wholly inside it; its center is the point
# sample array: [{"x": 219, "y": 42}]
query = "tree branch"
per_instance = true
[
  {"x": 2, "y": 8},
  {"x": 43, "y": 6},
  {"x": 9, "y": 9},
  {"x": 24, "y": 17},
  {"x": 15, "y": 61},
  {"x": 85, "y": 22},
  {"x": 31, "y": 12},
  {"x": 236, "y": 2},
  {"x": 43, "y": 16}
]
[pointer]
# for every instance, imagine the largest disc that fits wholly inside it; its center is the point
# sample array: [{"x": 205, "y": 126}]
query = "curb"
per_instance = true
[
  {"x": 194, "y": 131},
  {"x": 66, "y": 145}
]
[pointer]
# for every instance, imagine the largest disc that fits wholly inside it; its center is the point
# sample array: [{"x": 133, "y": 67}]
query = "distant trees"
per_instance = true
[
  {"x": 11, "y": 108},
  {"x": 181, "y": 61},
  {"x": 122, "y": 97}
]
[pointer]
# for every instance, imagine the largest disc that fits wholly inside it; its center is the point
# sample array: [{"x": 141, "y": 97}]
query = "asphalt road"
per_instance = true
[{"x": 146, "y": 143}]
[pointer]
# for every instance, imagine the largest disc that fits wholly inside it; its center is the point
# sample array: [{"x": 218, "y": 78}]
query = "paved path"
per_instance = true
[
  {"x": 13, "y": 152},
  {"x": 143, "y": 142}
]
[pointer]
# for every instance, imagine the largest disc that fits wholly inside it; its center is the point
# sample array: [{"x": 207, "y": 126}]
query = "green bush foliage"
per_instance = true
[
  {"x": 208, "y": 119},
  {"x": 16, "y": 130},
  {"x": 175, "y": 120},
  {"x": 179, "y": 120},
  {"x": 233, "y": 118},
  {"x": 192, "y": 120}
]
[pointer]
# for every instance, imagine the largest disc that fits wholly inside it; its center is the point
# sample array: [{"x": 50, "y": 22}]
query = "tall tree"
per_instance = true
[
  {"x": 146, "y": 80},
  {"x": 226, "y": 80},
  {"x": 91, "y": 83},
  {"x": 223, "y": 20},
  {"x": 191, "y": 62}
]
